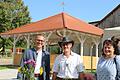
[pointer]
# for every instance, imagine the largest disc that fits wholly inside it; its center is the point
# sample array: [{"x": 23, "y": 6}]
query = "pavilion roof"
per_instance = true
[{"x": 56, "y": 22}]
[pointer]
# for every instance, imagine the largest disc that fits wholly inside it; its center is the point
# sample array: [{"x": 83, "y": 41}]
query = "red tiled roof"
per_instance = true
[{"x": 59, "y": 21}]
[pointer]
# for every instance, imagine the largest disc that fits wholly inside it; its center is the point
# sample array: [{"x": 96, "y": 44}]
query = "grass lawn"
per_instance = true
[
  {"x": 89, "y": 71},
  {"x": 1, "y": 68}
]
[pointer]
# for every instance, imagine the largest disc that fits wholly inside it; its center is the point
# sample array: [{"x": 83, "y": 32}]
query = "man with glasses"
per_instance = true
[
  {"x": 68, "y": 65},
  {"x": 41, "y": 59}
]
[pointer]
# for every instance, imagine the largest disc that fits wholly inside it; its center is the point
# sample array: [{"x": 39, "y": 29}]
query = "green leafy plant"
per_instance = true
[{"x": 28, "y": 70}]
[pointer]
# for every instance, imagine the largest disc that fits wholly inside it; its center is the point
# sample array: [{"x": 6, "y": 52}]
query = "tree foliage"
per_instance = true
[{"x": 13, "y": 14}]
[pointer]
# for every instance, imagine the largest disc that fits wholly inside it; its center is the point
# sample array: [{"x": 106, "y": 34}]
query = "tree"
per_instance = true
[{"x": 13, "y": 14}]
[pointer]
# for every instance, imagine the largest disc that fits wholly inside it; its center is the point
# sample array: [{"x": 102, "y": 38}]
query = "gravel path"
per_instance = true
[{"x": 8, "y": 74}]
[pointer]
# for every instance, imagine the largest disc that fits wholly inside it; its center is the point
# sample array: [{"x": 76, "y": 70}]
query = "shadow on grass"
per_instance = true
[{"x": 8, "y": 67}]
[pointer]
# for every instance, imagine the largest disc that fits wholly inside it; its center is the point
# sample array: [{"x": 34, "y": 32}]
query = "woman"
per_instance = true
[{"x": 106, "y": 67}]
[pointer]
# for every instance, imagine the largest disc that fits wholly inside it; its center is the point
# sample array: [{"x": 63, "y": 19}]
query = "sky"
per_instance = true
[{"x": 86, "y": 10}]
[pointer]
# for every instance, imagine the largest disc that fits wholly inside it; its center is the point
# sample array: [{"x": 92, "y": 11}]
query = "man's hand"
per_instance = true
[
  {"x": 89, "y": 76},
  {"x": 54, "y": 76}
]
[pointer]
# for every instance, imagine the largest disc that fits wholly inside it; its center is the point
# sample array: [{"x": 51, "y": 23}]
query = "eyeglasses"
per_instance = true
[{"x": 39, "y": 40}]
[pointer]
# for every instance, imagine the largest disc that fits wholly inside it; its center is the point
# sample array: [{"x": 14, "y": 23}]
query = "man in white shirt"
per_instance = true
[
  {"x": 41, "y": 58},
  {"x": 67, "y": 66}
]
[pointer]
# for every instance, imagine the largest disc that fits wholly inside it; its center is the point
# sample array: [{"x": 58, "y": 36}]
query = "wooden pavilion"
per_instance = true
[{"x": 57, "y": 26}]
